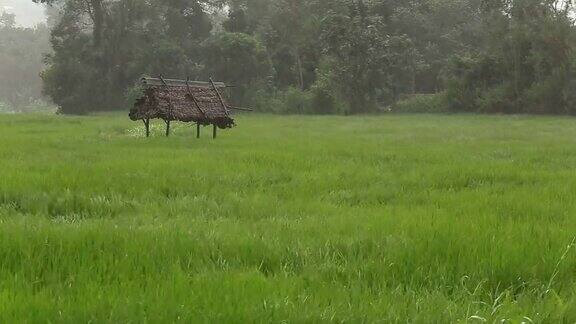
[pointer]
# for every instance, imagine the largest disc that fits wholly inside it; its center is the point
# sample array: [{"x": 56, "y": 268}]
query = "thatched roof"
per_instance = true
[{"x": 178, "y": 100}]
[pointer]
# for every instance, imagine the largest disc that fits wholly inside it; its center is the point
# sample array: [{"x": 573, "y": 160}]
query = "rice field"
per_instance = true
[{"x": 396, "y": 218}]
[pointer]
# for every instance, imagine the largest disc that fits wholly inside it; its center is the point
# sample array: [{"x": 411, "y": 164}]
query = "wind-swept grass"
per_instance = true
[{"x": 316, "y": 219}]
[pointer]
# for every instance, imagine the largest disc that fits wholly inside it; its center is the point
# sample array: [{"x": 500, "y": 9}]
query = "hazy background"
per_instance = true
[
  {"x": 24, "y": 43},
  {"x": 27, "y": 13}
]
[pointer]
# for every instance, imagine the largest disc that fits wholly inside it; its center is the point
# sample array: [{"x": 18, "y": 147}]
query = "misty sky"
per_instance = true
[{"x": 27, "y": 13}]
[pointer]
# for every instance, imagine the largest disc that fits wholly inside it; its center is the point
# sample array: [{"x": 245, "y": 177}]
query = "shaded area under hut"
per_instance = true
[{"x": 185, "y": 101}]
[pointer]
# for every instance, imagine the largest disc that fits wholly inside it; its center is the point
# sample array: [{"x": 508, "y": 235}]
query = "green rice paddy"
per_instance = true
[{"x": 396, "y": 218}]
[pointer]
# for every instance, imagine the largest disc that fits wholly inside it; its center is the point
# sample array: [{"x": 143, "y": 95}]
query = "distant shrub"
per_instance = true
[
  {"x": 548, "y": 95},
  {"x": 495, "y": 100},
  {"x": 317, "y": 100},
  {"x": 421, "y": 103},
  {"x": 289, "y": 101},
  {"x": 295, "y": 101},
  {"x": 34, "y": 106},
  {"x": 260, "y": 96},
  {"x": 325, "y": 99},
  {"x": 323, "y": 102}
]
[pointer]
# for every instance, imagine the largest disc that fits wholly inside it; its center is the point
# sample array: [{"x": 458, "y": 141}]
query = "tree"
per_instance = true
[
  {"x": 345, "y": 56},
  {"x": 363, "y": 55},
  {"x": 238, "y": 58},
  {"x": 94, "y": 9},
  {"x": 525, "y": 64},
  {"x": 93, "y": 65}
]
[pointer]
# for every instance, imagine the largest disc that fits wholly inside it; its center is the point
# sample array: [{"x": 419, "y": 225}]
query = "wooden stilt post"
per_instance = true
[
  {"x": 197, "y": 130},
  {"x": 214, "y": 131},
  {"x": 147, "y": 125},
  {"x": 167, "y": 127}
]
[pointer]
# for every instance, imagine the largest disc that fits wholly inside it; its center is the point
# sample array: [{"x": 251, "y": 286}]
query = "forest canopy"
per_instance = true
[{"x": 321, "y": 56}]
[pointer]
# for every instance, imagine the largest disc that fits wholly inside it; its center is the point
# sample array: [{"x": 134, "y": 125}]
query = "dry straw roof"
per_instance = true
[{"x": 185, "y": 101}]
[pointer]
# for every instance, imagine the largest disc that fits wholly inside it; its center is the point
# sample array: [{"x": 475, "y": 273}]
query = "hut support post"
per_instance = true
[
  {"x": 167, "y": 127},
  {"x": 147, "y": 125},
  {"x": 197, "y": 130},
  {"x": 214, "y": 131}
]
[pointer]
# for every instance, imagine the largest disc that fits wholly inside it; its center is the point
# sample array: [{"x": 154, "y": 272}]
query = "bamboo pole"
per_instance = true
[
  {"x": 194, "y": 98},
  {"x": 240, "y": 108},
  {"x": 147, "y": 125},
  {"x": 167, "y": 128},
  {"x": 220, "y": 97}
]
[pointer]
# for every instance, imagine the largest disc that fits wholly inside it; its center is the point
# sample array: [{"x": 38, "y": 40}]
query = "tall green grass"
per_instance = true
[{"x": 298, "y": 219}]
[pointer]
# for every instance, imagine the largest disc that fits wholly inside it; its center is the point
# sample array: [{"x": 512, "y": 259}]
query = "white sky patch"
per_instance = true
[{"x": 28, "y": 14}]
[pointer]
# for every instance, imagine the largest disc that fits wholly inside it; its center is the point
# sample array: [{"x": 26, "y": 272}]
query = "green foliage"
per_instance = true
[
  {"x": 316, "y": 101},
  {"x": 496, "y": 100},
  {"x": 422, "y": 103},
  {"x": 324, "y": 101},
  {"x": 133, "y": 94},
  {"x": 239, "y": 59},
  {"x": 340, "y": 56},
  {"x": 523, "y": 66},
  {"x": 448, "y": 219},
  {"x": 92, "y": 71},
  {"x": 324, "y": 93},
  {"x": 260, "y": 99},
  {"x": 295, "y": 101},
  {"x": 357, "y": 42}
]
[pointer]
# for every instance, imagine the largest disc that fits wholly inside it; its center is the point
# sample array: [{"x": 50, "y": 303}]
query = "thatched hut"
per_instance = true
[{"x": 181, "y": 100}]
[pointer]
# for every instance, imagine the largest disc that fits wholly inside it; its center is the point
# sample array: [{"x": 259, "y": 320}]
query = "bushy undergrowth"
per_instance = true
[
  {"x": 4, "y": 108},
  {"x": 398, "y": 218},
  {"x": 421, "y": 103},
  {"x": 294, "y": 101},
  {"x": 38, "y": 106}
]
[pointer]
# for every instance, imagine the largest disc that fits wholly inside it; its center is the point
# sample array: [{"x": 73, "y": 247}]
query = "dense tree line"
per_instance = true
[
  {"x": 320, "y": 56},
  {"x": 21, "y": 52}
]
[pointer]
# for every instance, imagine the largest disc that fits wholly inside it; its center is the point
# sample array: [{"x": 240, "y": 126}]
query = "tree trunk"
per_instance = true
[
  {"x": 97, "y": 13},
  {"x": 296, "y": 24},
  {"x": 299, "y": 67}
]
